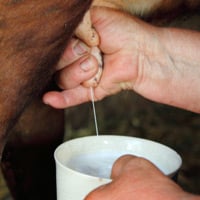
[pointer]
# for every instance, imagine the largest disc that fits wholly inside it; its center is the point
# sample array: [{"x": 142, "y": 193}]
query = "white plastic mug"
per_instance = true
[{"x": 85, "y": 163}]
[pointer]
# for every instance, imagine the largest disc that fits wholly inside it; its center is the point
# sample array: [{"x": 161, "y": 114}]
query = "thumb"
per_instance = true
[
  {"x": 126, "y": 172},
  {"x": 101, "y": 17},
  {"x": 86, "y": 32},
  {"x": 131, "y": 163}
]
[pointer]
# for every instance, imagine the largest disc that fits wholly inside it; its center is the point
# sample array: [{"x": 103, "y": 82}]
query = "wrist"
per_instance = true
[
  {"x": 153, "y": 72},
  {"x": 170, "y": 70}
]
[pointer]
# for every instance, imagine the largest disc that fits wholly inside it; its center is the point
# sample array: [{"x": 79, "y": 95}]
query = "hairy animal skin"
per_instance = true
[{"x": 33, "y": 35}]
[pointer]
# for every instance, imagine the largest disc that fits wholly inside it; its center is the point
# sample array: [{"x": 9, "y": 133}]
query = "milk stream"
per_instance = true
[{"x": 94, "y": 110}]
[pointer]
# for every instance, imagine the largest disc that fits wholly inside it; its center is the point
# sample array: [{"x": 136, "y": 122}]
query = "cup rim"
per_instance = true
[{"x": 104, "y": 137}]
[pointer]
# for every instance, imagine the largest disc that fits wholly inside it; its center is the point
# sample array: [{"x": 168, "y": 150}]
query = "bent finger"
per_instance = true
[
  {"x": 74, "y": 50},
  {"x": 86, "y": 32},
  {"x": 130, "y": 163},
  {"x": 78, "y": 72},
  {"x": 93, "y": 82},
  {"x": 67, "y": 98}
]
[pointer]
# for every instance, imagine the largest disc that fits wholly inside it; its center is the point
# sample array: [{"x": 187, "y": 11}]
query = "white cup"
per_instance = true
[{"x": 85, "y": 163}]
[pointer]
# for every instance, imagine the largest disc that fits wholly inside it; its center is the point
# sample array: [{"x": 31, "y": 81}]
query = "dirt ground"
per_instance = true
[{"x": 129, "y": 114}]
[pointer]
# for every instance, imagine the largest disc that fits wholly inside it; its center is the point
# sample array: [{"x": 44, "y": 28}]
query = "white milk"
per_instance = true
[
  {"x": 95, "y": 156},
  {"x": 94, "y": 164}
]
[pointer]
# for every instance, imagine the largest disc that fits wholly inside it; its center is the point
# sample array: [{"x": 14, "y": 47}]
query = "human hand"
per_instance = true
[
  {"x": 121, "y": 42},
  {"x": 137, "y": 178},
  {"x": 136, "y": 56}
]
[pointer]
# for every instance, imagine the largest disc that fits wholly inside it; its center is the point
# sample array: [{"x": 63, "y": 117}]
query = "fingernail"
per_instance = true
[
  {"x": 80, "y": 48},
  {"x": 87, "y": 64}
]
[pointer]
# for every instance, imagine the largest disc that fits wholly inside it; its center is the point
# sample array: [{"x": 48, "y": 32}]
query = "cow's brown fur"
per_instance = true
[{"x": 33, "y": 34}]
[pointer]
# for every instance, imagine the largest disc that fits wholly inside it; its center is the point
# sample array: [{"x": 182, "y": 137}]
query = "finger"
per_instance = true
[
  {"x": 108, "y": 191},
  {"x": 86, "y": 32},
  {"x": 124, "y": 179},
  {"x": 137, "y": 178},
  {"x": 73, "y": 97},
  {"x": 93, "y": 82},
  {"x": 67, "y": 98},
  {"x": 120, "y": 164},
  {"x": 73, "y": 51},
  {"x": 104, "y": 192},
  {"x": 78, "y": 72},
  {"x": 130, "y": 163}
]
